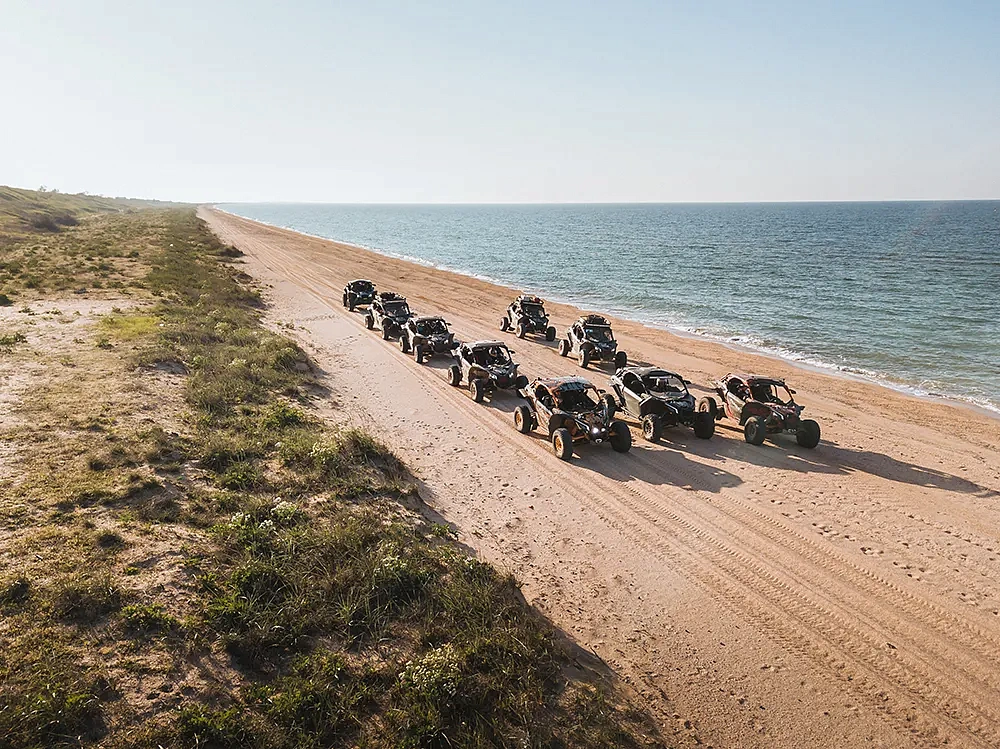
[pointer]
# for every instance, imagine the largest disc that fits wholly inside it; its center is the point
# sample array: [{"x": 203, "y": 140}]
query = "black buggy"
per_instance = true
[
  {"x": 388, "y": 312},
  {"x": 425, "y": 337},
  {"x": 487, "y": 367},
  {"x": 571, "y": 410},
  {"x": 357, "y": 293},
  {"x": 526, "y": 314},
  {"x": 658, "y": 398},
  {"x": 591, "y": 339}
]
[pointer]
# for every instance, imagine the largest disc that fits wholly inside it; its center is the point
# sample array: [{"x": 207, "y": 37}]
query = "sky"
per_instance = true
[{"x": 472, "y": 102}]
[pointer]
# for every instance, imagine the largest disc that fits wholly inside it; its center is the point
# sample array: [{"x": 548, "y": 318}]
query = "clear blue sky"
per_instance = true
[{"x": 502, "y": 102}]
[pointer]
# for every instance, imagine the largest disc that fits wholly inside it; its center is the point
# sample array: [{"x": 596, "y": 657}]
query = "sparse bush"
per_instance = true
[
  {"x": 10, "y": 339},
  {"x": 148, "y": 618},
  {"x": 15, "y": 590},
  {"x": 48, "y": 698},
  {"x": 84, "y": 597}
]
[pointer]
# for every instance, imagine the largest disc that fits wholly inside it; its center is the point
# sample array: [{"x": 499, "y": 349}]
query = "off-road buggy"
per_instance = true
[
  {"x": 358, "y": 292},
  {"x": 425, "y": 337},
  {"x": 571, "y": 410},
  {"x": 487, "y": 367},
  {"x": 388, "y": 312},
  {"x": 659, "y": 399},
  {"x": 591, "y": 339},
  {"x": 754, "y": 402},
  {"x": 526, "y": 314}
]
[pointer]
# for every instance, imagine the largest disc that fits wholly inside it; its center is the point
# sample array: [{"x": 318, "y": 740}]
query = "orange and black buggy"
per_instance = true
[
  {"x": 572, "y": 411},
  {"x": 757, "y": 404}
]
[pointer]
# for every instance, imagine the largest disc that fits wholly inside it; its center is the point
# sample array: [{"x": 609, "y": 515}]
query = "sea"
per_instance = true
[{"x": 904, "y": 294}]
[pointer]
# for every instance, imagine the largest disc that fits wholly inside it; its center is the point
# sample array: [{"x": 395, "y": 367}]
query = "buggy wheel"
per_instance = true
[
  {"x": 610, "y": 404},
  {"x": 352, "y": 300},
  {"x": 503, "y": 324},
  {"x": 521, "y": 330},
  {"x": 478, "y": 389},
  {"x": 584, "y": 357},
  {"x": 521, "y": 382},
  {"x": 455, "y": 375},
  {"x": 418, "y": 353},
  {"x": 522, "y": 419},
  {"x": 404, "y": 344},
  {"x": 621, "y": 437},
  {"x": 562, "y": 443},
  {"x": 564, "y": 347},
  {"x": 385, "y": 332},
  {"x": 754, "y": 431},
  {"x": 652, "y": 427},
  {"x": 808, "y": 434},
  {"x": 345, "y": 299},
  {"x": 550, "y": 334},
  {"x": 704, "y": 425},
  {"x": 621, "y": 359},
  {"x": 369, "y": 322},
  {"x": 708, "y": 405}
]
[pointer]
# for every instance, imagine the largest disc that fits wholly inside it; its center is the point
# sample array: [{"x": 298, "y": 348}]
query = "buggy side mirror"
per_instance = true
[
  {"x": 687, "y": 382},
  {"x": 791, "y": 391}
]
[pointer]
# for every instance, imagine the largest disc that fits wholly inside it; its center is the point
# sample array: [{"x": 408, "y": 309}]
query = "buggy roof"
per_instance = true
[
  {"x": 565, "y": 384},
  {"x": 531, "y": 298},
  {"x": 485, "y": 344},
  {"x": 644, "y": 372},
  {"x": 360, "y": 280},
  {"x": 595, "y": 321},
  {"x": 428, "y": 318},
  {"x": 751, "y": 379}
]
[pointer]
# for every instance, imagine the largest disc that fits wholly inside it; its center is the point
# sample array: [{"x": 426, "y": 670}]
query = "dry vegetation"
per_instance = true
[{"x": 189, "y": 557}]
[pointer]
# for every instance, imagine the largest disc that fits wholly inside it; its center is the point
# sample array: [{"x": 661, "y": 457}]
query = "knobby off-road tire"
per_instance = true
[
  {"x": 621, "y": 359},
  {"x": 562, "y": 443},
  {"x": 455, "y": 375},
  {"x": 704, "y": 425},
  {"x": 652, "y": 427},
  {"x": 807, "y": 434},
  {"x": 564, "y": 347},
  {"x": 522, "y": 419},
  {"x": 708, "y": 405},
  {"x": 521, "y": 382},
  {"x": 345, "y": 299},
  {"x": 418, "y": 354},
  {"x": 584, "y": 357},
  {"x": 754, "y": 430},
  {"x": 385, "y": 332},
  {"x": 521, "y": 330},
  {"x": 478, "y": 389},
  {"x": 550, "y": 334},
  {"x": 621, "y": 437},
  {"x": 404, "y": 344},
  {"x": 503, "y": 324},
  {"x": 369, "y": 322}
]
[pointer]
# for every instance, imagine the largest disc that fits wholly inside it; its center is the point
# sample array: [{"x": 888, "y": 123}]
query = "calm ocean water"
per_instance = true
[{"x": 906, "y": 294}]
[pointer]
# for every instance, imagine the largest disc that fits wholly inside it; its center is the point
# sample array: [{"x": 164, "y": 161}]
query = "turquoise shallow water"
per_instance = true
[{"x": 905, "y": 294}]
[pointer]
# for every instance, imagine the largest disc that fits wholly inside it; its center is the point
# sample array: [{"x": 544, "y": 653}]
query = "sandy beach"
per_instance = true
[{"x": 752, "y": 596}]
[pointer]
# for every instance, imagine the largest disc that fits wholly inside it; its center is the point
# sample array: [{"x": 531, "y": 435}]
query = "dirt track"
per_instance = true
[{"x": 767, "y": 596}]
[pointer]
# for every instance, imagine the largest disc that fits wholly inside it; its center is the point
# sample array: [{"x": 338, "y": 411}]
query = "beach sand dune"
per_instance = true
[{"x": 753, "y": 596}]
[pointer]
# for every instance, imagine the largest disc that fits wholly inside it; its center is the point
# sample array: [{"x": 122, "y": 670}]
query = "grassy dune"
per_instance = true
[{"x": 190, "y": 557}]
